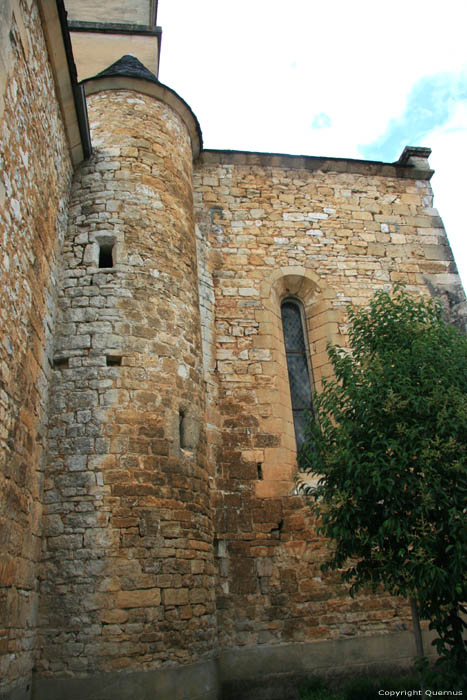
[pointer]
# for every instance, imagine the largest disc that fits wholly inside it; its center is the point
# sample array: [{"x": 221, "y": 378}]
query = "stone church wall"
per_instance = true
[
  {"x": 128, "y": 574},
  {"x": 35, "y": 171},
  {"x": 273, "y": 227},
  {"x": 153, "y": 536}
]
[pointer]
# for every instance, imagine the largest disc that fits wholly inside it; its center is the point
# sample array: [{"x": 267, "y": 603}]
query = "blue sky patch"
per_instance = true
[
  {"x": 430, "y": 104},
  {"x": 321, "y": 121}
]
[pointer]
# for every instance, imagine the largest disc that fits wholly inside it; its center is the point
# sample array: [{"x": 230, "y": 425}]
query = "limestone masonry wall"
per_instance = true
[
  {"x": 128, "y": 574},
  {"x": 35, "y": 173},
  {"x": 150, "y": 516},
  {"x": 328, "y": 239}
]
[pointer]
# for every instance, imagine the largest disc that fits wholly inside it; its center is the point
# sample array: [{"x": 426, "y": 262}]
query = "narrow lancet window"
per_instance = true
[{"x": 297, "y": 366}]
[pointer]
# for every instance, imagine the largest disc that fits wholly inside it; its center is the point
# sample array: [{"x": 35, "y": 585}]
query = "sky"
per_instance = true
[{"x": 358, "y": 79}]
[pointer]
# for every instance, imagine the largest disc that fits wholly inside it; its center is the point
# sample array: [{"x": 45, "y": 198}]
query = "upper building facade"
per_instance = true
[{"x": 154, "y": 295}]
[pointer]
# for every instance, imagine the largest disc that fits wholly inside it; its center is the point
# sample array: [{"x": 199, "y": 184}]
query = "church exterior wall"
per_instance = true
[
  {"x": 35, "y": 172},
  {"x": 154, "y": 538},
  {"x": 128, "y": 574},
  {"x": 272, "y": 227}
]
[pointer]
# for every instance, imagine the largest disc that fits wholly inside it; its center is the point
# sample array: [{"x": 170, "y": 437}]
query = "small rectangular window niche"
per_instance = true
[
  {"x": 188, "y": 429},
  {"x": 106, "y": 254},
  {"x": 61, "y": 363},
  {"x": 113, "y": 360}
]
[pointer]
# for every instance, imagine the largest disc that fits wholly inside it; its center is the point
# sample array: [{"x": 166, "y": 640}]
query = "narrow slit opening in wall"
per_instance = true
[
  {"x": 61, "y": 363},
  {"x": 106, "y": 255},
  {"x": 259, "y": 469},
  {"x": 113, "y": 360},
  {"x": 181, "y": 428}
]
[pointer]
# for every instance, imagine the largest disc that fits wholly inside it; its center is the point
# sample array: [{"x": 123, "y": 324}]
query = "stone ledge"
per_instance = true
[
  {"x": 21, "y": 692},
  {"x": 340, "y": 165},
  {"x": 113, "y": 28},
  {"x": 339, "y": 657},
  {"x": 193, "y": 682},
  {"x": 240, "y": 673}
]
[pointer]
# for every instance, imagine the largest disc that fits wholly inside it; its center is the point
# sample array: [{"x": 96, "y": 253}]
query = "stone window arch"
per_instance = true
[
  {"x": 298, "y": 365},
  {"x": 320, "y": 319}
]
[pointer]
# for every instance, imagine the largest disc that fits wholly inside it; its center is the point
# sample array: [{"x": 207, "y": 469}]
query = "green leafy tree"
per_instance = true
[{"x": 389, "y": 444}]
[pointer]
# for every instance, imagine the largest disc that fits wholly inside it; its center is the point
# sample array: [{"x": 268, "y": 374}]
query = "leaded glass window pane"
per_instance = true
[
  {"x": 299, "y": 381},
  {"x": 297, "y": 366},
  {"x": 293, "y": 328}
]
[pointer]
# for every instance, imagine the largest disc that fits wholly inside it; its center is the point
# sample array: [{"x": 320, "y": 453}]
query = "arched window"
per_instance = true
[{"x": 297, "y": 365}]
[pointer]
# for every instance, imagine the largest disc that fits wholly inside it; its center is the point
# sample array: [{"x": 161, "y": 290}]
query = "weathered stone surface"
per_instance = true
[
  {"x": 35, "y": 171},
  {"x": 267, "y": 231},
  {"x": 138, "y": 599},
  {"x": 133, "y": 488},
  {"x": 153, "y": 370}
]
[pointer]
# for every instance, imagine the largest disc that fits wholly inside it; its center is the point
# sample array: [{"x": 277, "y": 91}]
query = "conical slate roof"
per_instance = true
[{"x": 128, "y": 66}]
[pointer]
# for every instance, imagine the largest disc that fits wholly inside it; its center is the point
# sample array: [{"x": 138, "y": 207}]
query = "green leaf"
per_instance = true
[{"x": 389, "y": 447}]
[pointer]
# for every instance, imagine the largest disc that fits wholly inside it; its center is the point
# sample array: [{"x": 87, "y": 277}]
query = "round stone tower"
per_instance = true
[{"x": 128, "y": 547}]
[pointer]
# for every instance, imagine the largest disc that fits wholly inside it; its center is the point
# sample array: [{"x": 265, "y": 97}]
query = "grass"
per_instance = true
[{"x": 365, "y": 688}]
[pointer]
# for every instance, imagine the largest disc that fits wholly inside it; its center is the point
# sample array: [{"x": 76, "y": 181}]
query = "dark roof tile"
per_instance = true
[{"x": 130, "y": 67}]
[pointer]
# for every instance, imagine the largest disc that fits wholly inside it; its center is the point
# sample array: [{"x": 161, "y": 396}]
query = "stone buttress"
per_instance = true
[{"x": 128, "y": 577}]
